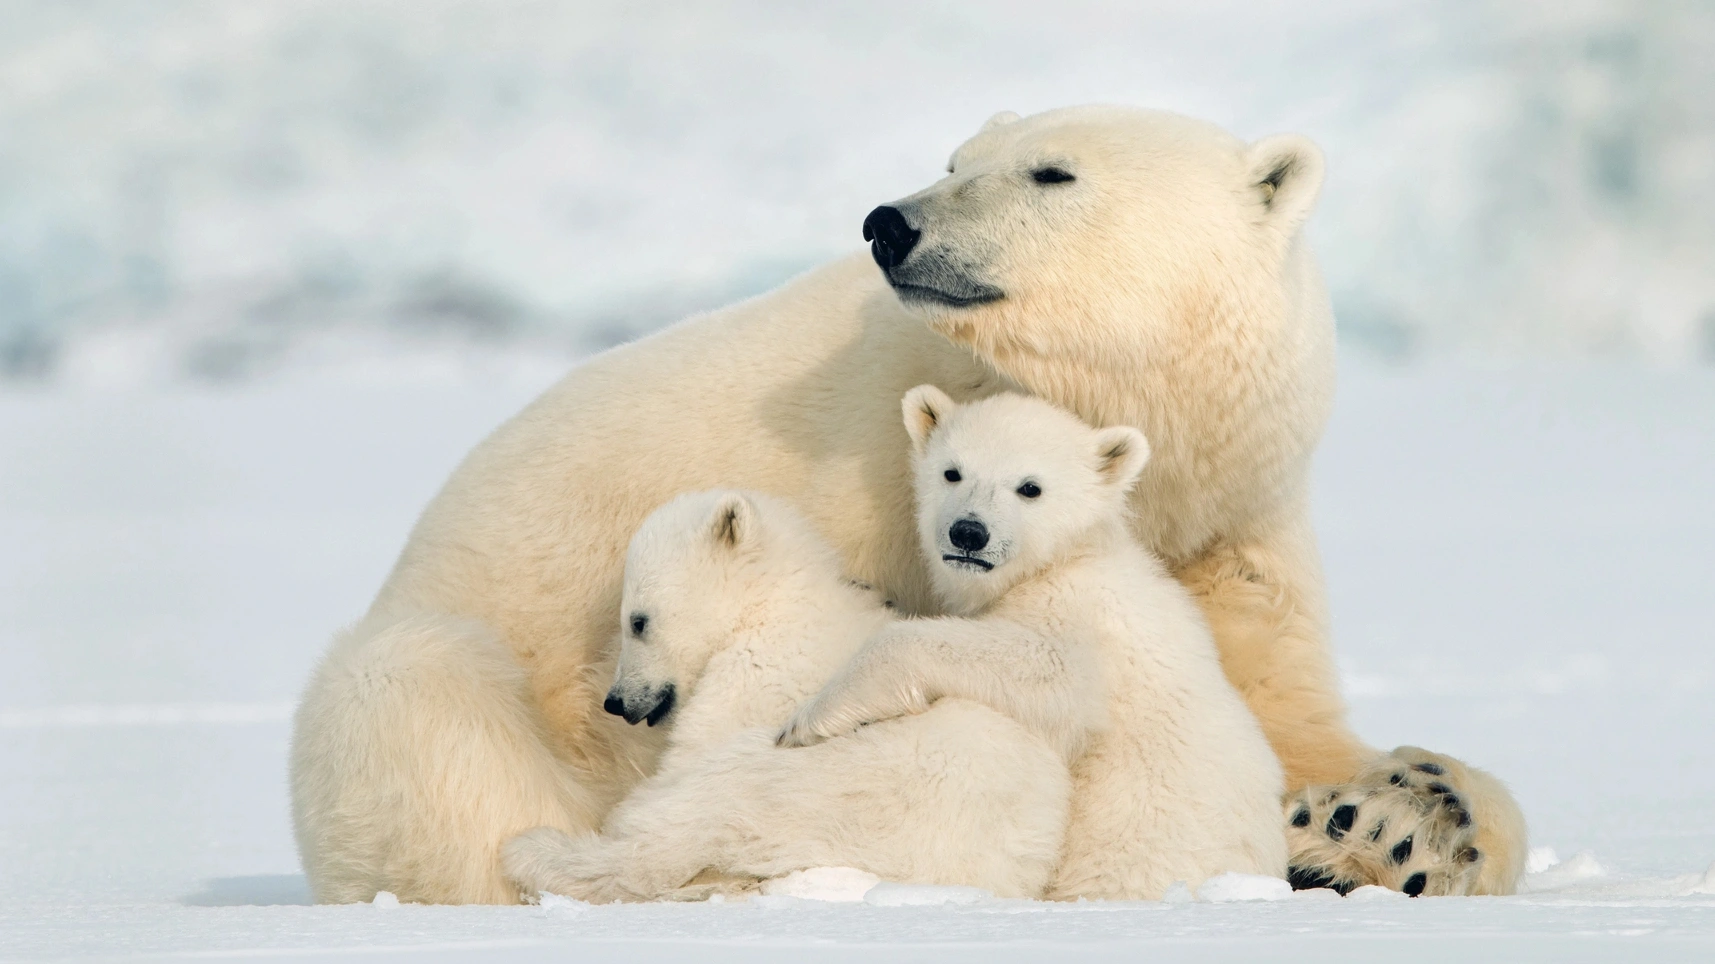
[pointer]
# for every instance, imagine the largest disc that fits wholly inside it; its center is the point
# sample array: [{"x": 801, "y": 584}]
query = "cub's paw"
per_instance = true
[
  {"x": 809, "y": 725},
  {"x": 549, "y": 861},
  {"x": 1400, "y": 824}
]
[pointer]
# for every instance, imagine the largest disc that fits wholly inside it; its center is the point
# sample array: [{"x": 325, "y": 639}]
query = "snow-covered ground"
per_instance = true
[{"x": 1521, "y": 564}]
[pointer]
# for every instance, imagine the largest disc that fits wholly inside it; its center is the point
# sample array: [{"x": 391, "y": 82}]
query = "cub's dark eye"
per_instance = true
[
  {"x": 639, "y": 623},
  {"x": 1051, "y": 175},
  {"x": 1030, "y": 490},
  {"x": 951, "y": 475}
]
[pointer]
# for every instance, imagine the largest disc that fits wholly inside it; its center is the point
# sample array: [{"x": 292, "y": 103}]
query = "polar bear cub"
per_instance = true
[
  {"x": 1022, "y": 513},
  {"x": 734, "y": 612}
]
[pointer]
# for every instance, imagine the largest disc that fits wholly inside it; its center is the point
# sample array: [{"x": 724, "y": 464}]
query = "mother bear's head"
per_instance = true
[{"x": 1138, "y": 267}]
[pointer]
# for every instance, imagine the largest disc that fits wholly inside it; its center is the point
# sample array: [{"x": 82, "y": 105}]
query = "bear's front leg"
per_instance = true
[
  {"x": 1412, "y": 821},
  {"x": 879, "y": 683},
  {"x": 1263, "y": 598}
]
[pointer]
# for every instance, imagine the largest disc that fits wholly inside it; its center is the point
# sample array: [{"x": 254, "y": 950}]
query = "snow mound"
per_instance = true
[
  {"x": 1373, "y": 892},
  {"x": 1704, "y": 886},
  {"x": 385, "y": 899},
  {"x": 838, "y": 884},
  {"x": 553, "y": 905},
  {"x": 1580, "y": 866},
  {"x": 1540, "y": 859},
  {"x": 1233, "y": 887},
  {"x": 887, "y": 894}
]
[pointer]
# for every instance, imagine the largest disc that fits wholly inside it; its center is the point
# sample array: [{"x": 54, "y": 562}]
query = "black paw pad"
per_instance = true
[
  {"x": 1308, "y": 878},
  {"x": 1301, "y": 818},
  {"x": 1341, "y": 821},
  {"x": 1414, "y": 884},
  {"x": 1312, "y": 878},
  {"x": 1401, "y": 851},
  {"x": 1433, "y": 769}
]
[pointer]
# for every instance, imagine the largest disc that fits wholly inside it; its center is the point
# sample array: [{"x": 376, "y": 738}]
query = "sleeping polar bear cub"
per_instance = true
[
  {"x": 1022, "y": 513},
  {"x": 734, "y": 612}
]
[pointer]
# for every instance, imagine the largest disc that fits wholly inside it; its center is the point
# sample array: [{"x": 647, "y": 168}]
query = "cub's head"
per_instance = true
[
  {"x": 691, "y": 571},
  {"x": 1007, "y": 485},
  {"x": 1091, "y": 234}
]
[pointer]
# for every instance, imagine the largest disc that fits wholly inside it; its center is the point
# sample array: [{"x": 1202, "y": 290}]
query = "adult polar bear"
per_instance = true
[{"x": 1136, "y": 267}]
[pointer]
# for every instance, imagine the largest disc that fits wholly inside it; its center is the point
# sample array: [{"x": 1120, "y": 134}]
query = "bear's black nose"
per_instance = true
[
  {"x": 969, "y": 535},
  {"x": 613, "y": 704},
  {"x": 890, "y": 238}
]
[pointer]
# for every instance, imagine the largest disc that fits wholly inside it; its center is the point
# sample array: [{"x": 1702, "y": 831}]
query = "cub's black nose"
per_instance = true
[
  {"x": 890, "y": 238},
  {"x": 969, "y": 534},
  {"x": 613, "y": 704}
]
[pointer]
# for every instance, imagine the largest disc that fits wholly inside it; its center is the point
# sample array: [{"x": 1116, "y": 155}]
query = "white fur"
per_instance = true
[
  {"x": 1179, "y": 784},
  {"x": 744, "y": 613},
  {"x": 1167, "y": 287}
]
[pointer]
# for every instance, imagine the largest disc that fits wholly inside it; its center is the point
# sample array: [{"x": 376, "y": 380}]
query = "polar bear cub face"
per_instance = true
[
  {"x": 690, "y": 570},
  {"x": 1008, "y": 485}
]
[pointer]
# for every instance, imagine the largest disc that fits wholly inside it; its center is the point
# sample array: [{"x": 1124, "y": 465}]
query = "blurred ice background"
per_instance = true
[{"x": 197, "y": 189}]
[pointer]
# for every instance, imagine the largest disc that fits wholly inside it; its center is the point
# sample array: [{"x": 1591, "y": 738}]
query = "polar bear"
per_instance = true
[
  {"x": 734, "y": 612},
  {"x": 1132, "y": 266},
  {"x": 1024, "y": 507}
]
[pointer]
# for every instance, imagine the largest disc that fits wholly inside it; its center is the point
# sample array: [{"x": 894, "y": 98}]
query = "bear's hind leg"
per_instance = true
[{"x": 415, "y": 754}]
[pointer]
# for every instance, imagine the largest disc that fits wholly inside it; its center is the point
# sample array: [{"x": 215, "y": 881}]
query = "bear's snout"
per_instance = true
[
  {"x": 891, "y": 238},
  {"x": 651, "y": 708},
  {"x": 968, "y": 534}
]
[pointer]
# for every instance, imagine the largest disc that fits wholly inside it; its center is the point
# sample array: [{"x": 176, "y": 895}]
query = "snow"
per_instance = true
[
  {"x": 823, "y": 883},
  {"x": 1230, "y": 887},
  {"x": 1520, "y": 562},
  {"x": 887, "y": 894}
]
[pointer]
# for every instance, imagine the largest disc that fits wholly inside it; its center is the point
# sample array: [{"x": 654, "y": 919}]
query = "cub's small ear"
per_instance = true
[
  {"x": 1284, "y": 174},
  {"x": 1121, "y": 453},
  {"x": 925, "y": 407},
  {"x": 733, "y": 523}
]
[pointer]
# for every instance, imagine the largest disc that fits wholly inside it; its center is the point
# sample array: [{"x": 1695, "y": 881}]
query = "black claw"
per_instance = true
[
  {"x": 1308, "y": 878},
  {"x": 1396, "y": 779},
  {"x": 1464, "y": 818},
  {"x": 1433, "y": 769},
  {"x": 1401, "y": 851},
  {"x": 1342, "y": 819},
  {"x": 1439, "y": 788},
  {"x": 1414, "y": 884},
  {"x": 1301, "y": 818},
  {"x": 1376, "y": 833},
  {"x": 1451, "y": 800}
]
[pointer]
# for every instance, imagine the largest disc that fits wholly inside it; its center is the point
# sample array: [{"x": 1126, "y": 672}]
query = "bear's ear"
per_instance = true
[
  {"x": 1121, "y": 452},
  {"x": 925, "y": 407},
  {"x": 1284, "y": 174},
  {"x": 733, "y": 524},
  {"x": 1001, "y": 119}
]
